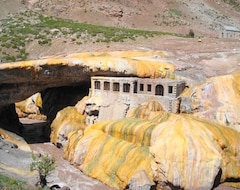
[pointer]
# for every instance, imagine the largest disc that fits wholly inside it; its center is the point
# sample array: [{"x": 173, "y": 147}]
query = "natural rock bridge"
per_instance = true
[{"x": 20, "y": 80}]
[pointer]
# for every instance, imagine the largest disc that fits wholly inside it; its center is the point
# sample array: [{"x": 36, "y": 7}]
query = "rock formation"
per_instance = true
[
  {"x": 149, "y": 147},
  {"x": 155, "y": 148},
  {"x": 62, "y": 80},
  {"x": 20, "y": 80},
  {"x": 16, "y": 157},
  {"x": 66, "y": 121},
  {"x": 30, "y": 107},
  {"x": 217, "y": 99}
]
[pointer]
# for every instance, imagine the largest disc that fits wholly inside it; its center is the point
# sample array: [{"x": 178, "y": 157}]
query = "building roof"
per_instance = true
[{"x": 231, "y": 28}]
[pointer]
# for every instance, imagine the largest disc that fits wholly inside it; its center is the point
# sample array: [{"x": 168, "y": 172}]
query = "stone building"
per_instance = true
[
  {"x": 112, "y": 97},
  {"x": 229, "y": 32}
]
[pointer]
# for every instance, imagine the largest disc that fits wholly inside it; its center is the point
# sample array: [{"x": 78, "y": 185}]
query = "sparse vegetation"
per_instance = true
[
  {"x": 171, "y": 17},
  {"x": 44, "y": 164},
  {"x": 175, "y": 12},
  {"x": 20, "y": 29},
  {"x": 234, "y": 3},
  {"x": 190, "y": 34},
  {"x": 7, "y": 183}
]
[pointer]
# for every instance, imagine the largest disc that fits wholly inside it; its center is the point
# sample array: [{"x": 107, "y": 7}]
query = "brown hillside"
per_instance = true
[
  {"x": 195, "y": 60},
  {"x": 205, "y": 17}
]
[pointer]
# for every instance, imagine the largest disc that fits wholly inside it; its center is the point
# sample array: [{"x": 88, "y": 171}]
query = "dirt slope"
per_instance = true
[
  {"x": 10, "y": 6},
  {"x": 206, "y": 17}
]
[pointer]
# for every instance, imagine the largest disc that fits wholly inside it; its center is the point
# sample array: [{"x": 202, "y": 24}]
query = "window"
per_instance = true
[
  {"x": 97, "y": 85},
  {"x": 126, "y": 87},
  {"x": 141, "y": 87},
  {"x": 159, "y": 90},
  {"x": 135, "y": 87},
  {"x": 116, "y": 86},
  {"x": 170, "y": 89},
  {"x": 106, "y": 86},
  {"x": 149, "y": 87}
]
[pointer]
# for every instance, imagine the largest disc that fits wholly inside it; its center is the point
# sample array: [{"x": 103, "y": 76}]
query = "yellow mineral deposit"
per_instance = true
[
  {"x": 30, "y": 106},
  {"x": 218, "y": 99},
  {"x": 123, "y": 54},
  {"x": 192, "y": 151},
  {"x": 22, "y": 145},
  {"x": 22, "y": 64},
  {"x": 151, "y": 64},
  {"x": 73, "y": 139},
  {"x": 151, "y": 110},
  {"x": 112, "y": 160},
  {"x": 151, "y": 146},
  {"x": 67, "y": 120}
]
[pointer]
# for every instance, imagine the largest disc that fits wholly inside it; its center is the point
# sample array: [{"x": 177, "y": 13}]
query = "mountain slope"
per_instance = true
[
  {"x": 10, "y": 6},
  {"x": 206, "y": 17},
  {"x": 20, "y": 39}
]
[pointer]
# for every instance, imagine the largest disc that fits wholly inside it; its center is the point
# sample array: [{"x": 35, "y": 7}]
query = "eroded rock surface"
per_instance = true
[
  {"x": 30, "y": 108},
  {"x": 16, "y": 157},
  {"x": 216, "y": 99},
  {"x": 153, "y": 148},
  {"x": 20, "y": 80}
]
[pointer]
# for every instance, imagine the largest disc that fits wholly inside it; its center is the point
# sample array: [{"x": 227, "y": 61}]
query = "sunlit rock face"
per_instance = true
[
  {"x": 66, "y": 121},
  {"x": 152, "y": 111},
  {"x": 111, "y": 159},
  {"x": 193, "y": 153},
  {"x": 217, "y": 99},
  {"x": 16, "y": 157},
  {"x": 21, "y": 144},
  {"x": 30, "y": 107},
  {"x": 153, "y": 148}
]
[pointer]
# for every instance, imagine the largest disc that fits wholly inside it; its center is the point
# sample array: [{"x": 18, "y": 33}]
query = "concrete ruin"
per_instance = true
[{"x": 112, "y": 97}]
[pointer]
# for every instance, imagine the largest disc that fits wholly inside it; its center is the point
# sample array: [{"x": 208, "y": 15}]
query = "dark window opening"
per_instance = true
[
  {"x": 106, "y": 86},
  {"x": 141, "y": 87},
  {"x": 97, "y": 85},
  {"x": 126, "y": 87},
  {"x": 116, "y": 86},
  {"x": 149, "y": 87},
  {"x": 170, "y": 89},
  {"x": 135, "y": 87},
  {"x": 159, "y": 90}
]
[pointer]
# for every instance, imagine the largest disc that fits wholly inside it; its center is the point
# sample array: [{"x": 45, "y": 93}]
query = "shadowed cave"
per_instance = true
[{"x": 53, "y": 100}]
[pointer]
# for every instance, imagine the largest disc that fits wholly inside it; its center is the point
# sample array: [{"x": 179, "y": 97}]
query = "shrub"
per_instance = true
[
  {"x": 44, "y": 164},
  {"x": 191, "y": 33}
]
